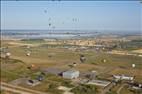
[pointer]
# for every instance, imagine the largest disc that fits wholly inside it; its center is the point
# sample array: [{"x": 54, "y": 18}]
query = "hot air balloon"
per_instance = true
[
  {"x": 49, "y": 24},
  {"x": 45, "y": 11},
  {"x": 133, "y": 65},
  {"x": 82, "y": 58},
  {"x": 28, "y": 53},
  {"x": 7, "y": 55}
]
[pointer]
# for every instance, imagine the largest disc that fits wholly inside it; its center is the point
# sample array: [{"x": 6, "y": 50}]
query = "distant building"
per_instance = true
[
  {"x": 71, "y": 74},
  {"x": 136, "y": 85},
  {"x": 123, "y": 77},
  {"x": 99, "y": 83}
]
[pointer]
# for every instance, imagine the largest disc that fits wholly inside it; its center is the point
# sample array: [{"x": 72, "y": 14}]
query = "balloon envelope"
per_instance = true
[{"x": 133, "y": 65}]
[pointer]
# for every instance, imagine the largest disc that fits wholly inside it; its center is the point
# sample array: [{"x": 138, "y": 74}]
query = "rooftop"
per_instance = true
[{"x": 71, "y": 71}]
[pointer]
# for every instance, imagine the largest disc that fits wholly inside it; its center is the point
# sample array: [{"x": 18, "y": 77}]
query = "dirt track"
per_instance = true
[{"x": 17, "y": 89}]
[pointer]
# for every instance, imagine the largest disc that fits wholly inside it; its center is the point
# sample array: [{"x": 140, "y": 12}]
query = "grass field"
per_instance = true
[{"x": 44, "y": 57}]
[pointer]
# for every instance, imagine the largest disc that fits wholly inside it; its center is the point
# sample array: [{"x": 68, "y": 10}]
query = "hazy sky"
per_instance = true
[{"x": 92, "y": 15}]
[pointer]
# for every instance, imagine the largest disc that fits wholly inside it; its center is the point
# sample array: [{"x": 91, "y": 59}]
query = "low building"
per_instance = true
[
  {"x": 71, "y": 74},
  {"x": 136, "y": 85},
  {"x": 99, "y": 83},
  {"x": 123, "y": 77}
]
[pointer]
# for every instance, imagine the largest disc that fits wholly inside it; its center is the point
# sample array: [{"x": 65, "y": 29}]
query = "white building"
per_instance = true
[
  {"x": 71, "y": 74},
  {"x": 99, "y": 83},
  {"x": 123, "y": 77}
]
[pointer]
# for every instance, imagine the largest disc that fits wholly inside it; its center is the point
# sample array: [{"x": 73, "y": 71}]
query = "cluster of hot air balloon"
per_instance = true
[
  {"x": 75, "y": 19},
  {"x": 50, "y": 24}
]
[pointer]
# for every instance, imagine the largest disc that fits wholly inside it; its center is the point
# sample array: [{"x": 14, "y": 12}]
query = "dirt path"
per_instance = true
[
  {"x": 118, "y": 91},
  {"x": 18, "y": 89},
  {"x": 106, "y": 89},
  {"x": 14, "y": 90}
]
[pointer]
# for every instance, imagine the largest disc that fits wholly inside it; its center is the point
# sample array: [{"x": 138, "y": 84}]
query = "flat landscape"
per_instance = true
[
  {"x": 71, "y": 47},
  {"x": 43, "y": 55}
]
